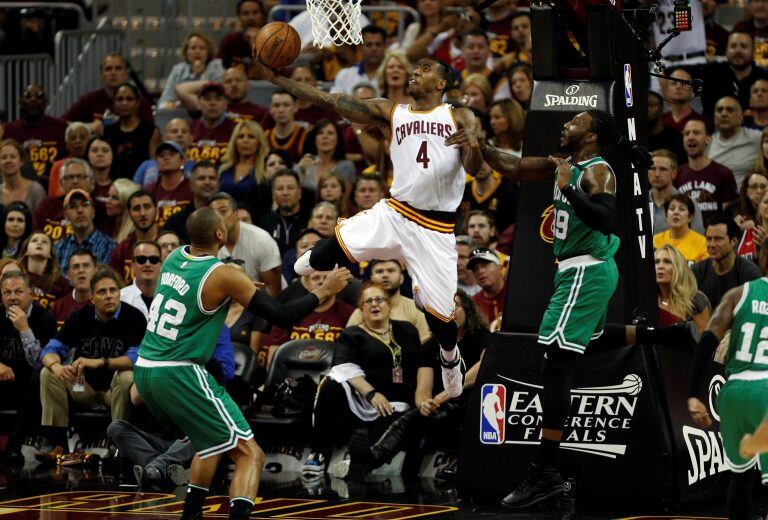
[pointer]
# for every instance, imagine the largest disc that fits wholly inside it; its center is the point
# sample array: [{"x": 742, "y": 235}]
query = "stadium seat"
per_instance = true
[
  {"x": 292, "y": 360},
  {"x": 245, "y": 361}
]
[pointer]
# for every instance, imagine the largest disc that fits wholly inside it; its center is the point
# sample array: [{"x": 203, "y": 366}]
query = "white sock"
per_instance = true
[
  {"x": 448, "y": 355},
  {"x": 302, "y": 266}
]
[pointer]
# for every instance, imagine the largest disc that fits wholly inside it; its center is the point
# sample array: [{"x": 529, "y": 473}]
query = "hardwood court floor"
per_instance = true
[{"x": 101, "y": 493}]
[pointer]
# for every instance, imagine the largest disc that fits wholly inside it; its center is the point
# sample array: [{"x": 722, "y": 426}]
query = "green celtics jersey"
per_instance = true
[
  {"x": 748, "y": 347},
  {"x": 572, "y": 236},
  {"x": 178, "y": 328}
]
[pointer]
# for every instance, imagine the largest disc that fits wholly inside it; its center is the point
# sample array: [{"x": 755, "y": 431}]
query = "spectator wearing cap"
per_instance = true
[
  {"x": 79, "y": 210},
  {"x": 131, "y": 137},
  {"x": 203, "y": 183},
  {"x": 142, "y": 210},
  {"x": 249, "y": 244},
  {"x": 178, "y": 131},
  {"x": 171, "y": 192},
  {"x": 211, "y": 133},
  {"x": 481, "y": 228},
  {"x": 486, "y": 268},
  {"x": 49, "y": 214},
  {"x": 466, "y": 279},
  {"x": 661, "y": 135},
  {"x": 236, "y": 86},
  {"x": 145, "y": 268},
  {"x": 200, "y": 66}
]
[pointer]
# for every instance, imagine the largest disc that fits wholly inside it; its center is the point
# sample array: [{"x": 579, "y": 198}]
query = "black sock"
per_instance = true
[
  {"x": 240, "y": 508},
  {"x": 193, "y": 504},
  {"x": 444, "y": 332},
  {"x": 326, "y": 254},
  {"x": 548, "y": 453}
]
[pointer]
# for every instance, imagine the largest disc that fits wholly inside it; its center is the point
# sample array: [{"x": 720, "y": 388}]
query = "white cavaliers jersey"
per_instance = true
[{"x": 428, "y": 174}]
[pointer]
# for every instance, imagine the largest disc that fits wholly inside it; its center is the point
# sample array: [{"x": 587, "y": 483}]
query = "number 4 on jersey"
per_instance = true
[{"x": 422, "y": 156}]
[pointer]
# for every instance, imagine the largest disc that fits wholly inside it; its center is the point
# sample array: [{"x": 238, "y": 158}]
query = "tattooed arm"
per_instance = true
[
  {"x": 517, "y": 168},
  {"x": 368, "y": 112},
  {"x": 471, "y": 154}
]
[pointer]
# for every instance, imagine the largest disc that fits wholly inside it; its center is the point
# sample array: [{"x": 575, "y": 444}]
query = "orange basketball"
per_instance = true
[{"x": 277, "y": 45}]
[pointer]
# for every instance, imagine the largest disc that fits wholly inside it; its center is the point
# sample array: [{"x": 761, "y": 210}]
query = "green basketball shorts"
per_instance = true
[
  {"x": 188, "y": 397},
  {"x": 576, "y": 312},
  {"x": 742, "y": 406}
]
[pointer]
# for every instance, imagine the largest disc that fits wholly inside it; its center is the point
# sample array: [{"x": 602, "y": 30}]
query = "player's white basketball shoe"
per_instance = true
[
  {"x": 453, "y": 380},
  {"x": 302, "y": 266}
]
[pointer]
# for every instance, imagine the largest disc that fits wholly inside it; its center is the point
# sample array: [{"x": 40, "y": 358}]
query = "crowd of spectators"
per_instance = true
[{"x": 94, "y": 201}]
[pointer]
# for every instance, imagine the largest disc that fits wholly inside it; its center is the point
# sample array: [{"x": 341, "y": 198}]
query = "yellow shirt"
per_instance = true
[{"x": 693, "y": 246}]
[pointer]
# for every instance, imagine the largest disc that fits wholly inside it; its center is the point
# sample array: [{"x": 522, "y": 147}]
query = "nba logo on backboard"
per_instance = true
[
  {"x": 493, "y": 413},
  {"x": 628, "y": 97}
]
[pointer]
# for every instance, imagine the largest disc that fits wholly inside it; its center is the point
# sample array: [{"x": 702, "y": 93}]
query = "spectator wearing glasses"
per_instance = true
[
  {"x": 142, "y": 211},
  {"x": 250, "y": 244},
  {"x": 145, "y": 268},
  {"x": 49, "y": 214},
  {"x": 168, "y": 241},
  {"x": 79, "y": 210},
  {"x": 679, "y": 93},
  {"x": 82, "y": 265},
  {"x": 41, "y": 135},
  {"x": 372, "y": 381}
]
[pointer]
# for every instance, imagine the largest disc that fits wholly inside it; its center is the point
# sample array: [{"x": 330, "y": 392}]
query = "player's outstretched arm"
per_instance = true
[
  {"x": 229, "y": 282},
  {"x": 719, "y": 324},
  {"x": 525, "y": 169},
  {"x": 367, "y": 112}
]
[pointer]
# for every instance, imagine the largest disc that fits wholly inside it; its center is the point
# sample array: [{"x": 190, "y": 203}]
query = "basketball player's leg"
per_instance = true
[
  {"x": 201, "y": 473},
  {"x": 366, "y": 236},
  {"x": 249, "y": 461},
  {"x": 430, "y": 257},
  {"x": 742, "y": 406}
]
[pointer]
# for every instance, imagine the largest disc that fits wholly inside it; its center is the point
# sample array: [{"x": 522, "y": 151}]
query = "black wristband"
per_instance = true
[{"x": 369, "y": 395}]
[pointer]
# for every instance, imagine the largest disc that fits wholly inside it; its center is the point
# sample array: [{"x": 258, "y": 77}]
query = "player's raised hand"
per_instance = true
[
  {"x": 563, "y": 171},
  {"x": 465, "y": 137},
  {"x": 699, "y": 413},
  {"x": 337, "y": 280},
  {"x": 264, "y": 72}
]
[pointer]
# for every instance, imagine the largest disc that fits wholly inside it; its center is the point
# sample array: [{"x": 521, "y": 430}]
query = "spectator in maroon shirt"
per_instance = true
[
  {"x": 49, "y": 214},
  {"x": 142, "y": 210},
  {"x": 236, "y": 87},
  {"x": 99, "y": 155},
  {"x": 707, "y": 182},
  {"x": 306, "y": 111},
  {"x": 91, "y": 106},
  {"x": 42, "y": 267},
  {"x": 211, "y": 133},
  {"x": 41, "y": 136},
  {"x": 172, "y": 191},
  {"x": 486, "y": 268},
  {"x": 81, "y": 267},
  {"x": 235, "y": 48},
  {"x": 679, "y": 95}
]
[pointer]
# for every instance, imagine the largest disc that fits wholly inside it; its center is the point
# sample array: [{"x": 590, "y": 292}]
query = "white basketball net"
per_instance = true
[{"x": 335, "y": 22}]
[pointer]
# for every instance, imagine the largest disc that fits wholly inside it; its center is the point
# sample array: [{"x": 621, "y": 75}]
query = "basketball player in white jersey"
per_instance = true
[{"x": 416, "y": 224}]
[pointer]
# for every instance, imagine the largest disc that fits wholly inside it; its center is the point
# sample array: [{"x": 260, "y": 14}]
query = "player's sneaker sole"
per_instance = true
[{"x": 541, "y": 497}]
